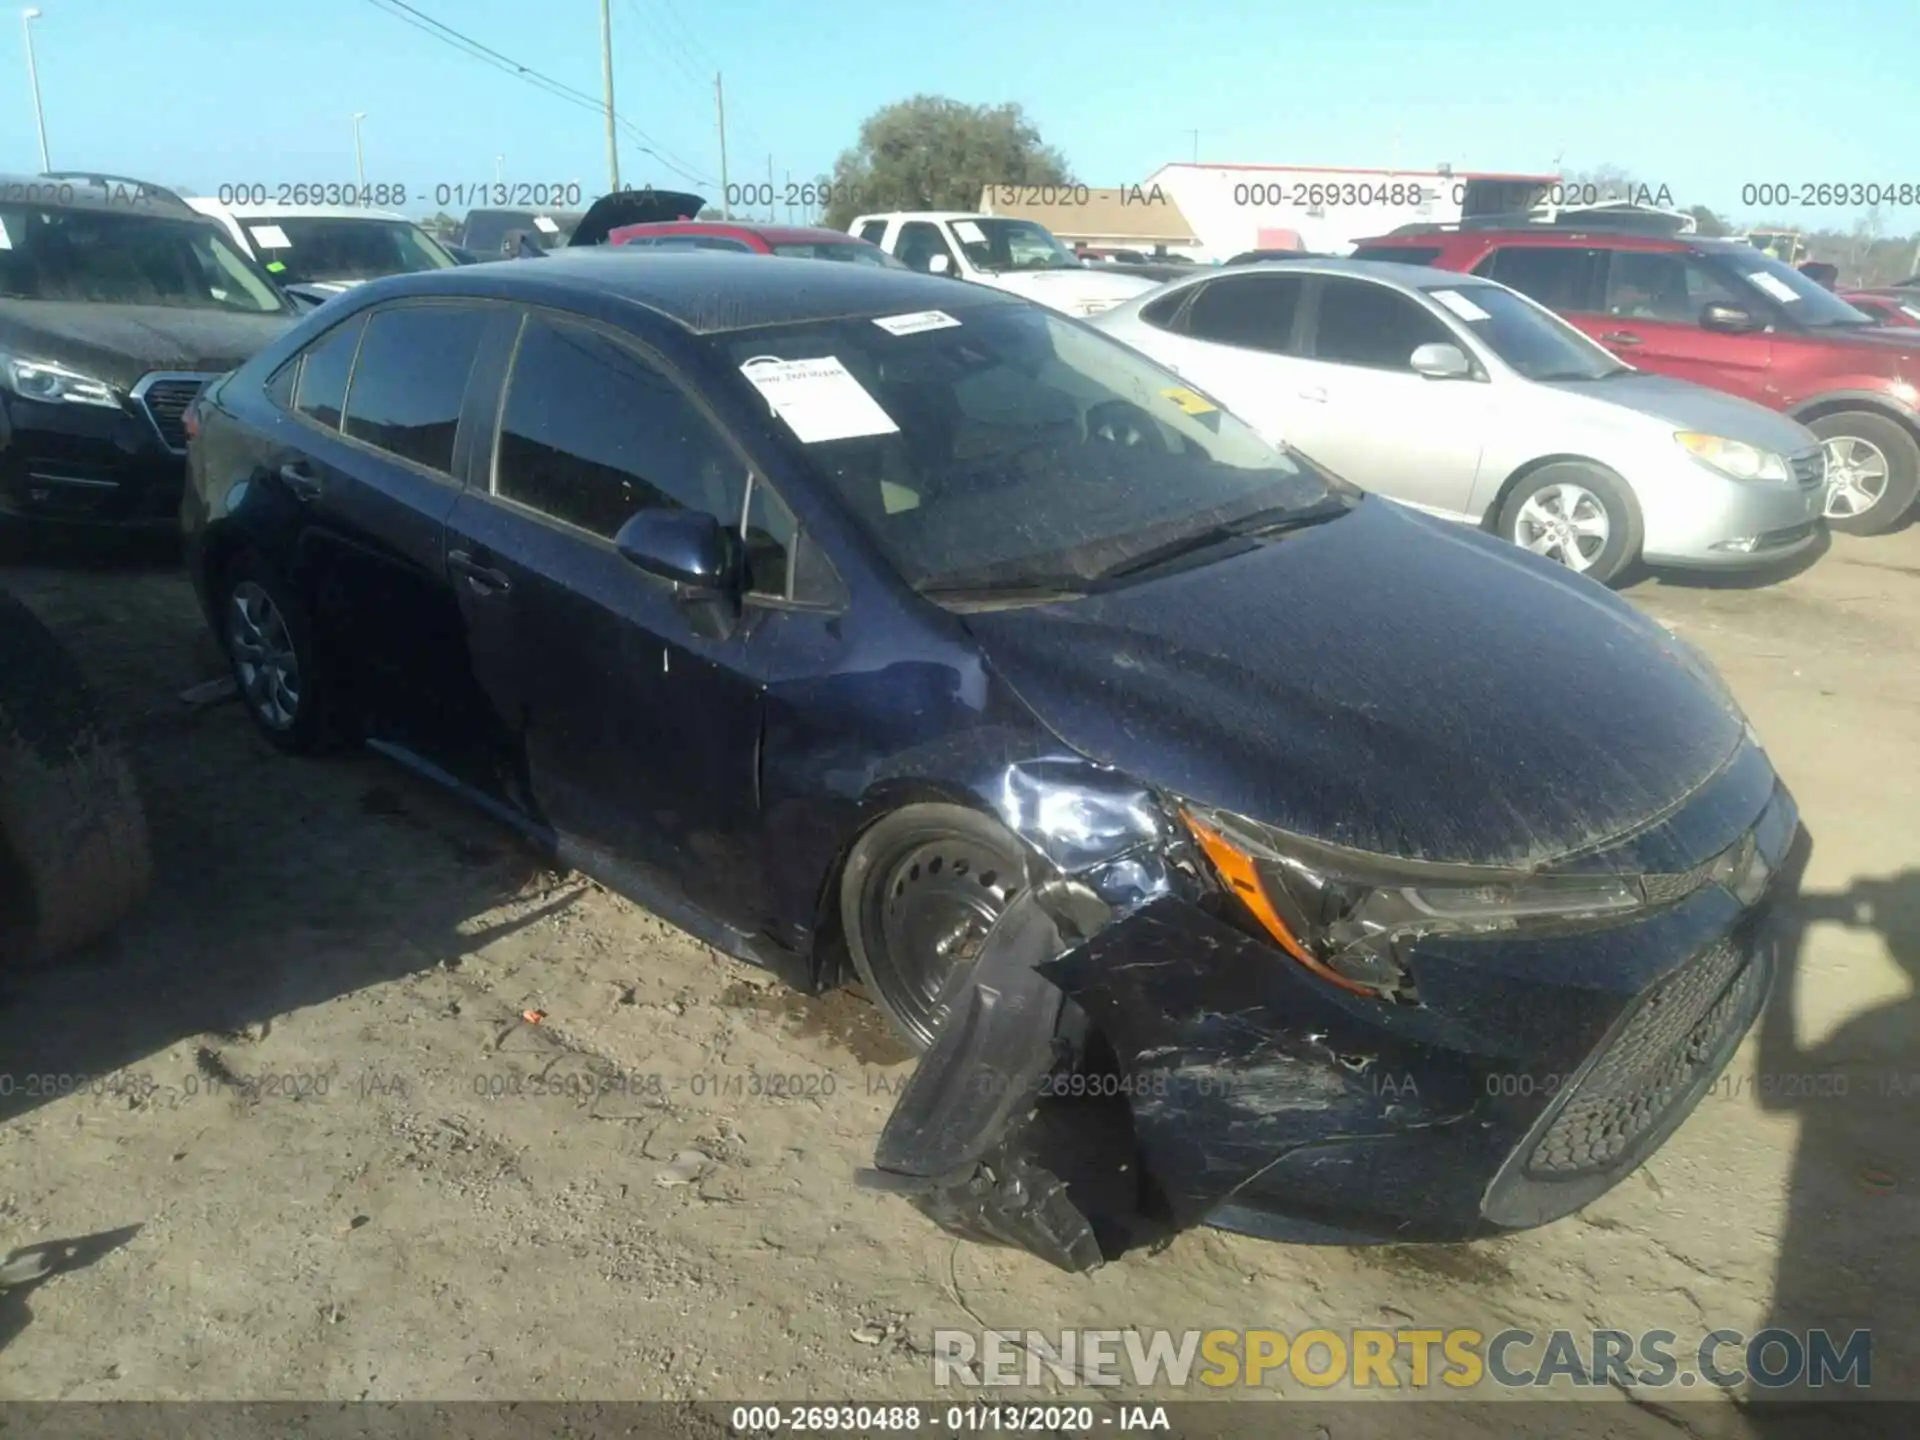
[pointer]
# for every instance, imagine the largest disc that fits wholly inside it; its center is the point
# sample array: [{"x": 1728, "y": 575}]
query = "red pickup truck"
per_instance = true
[{"x": 1722, "y": 314}]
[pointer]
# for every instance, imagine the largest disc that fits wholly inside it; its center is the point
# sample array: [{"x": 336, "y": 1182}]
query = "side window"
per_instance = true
[
  {"x": 283, "y": 382},
  {"x": 1160, "y": 313},
  {"x": 411, "y": 378},
  {"x": 591, "y": 433},
  {"x": 721, "y": 242},
  {"x": 1560, "y": 277},
  {"x": 874, "y": 231},
  {"x": 324, "y": 368},
  {"x": 1362, "y": 324},
  {"x": 638, "y": 242},
  {"x": 920, "y": 241},
  {"x": 1664, "y": 285},
  {"x": 1254, "y": 312}
]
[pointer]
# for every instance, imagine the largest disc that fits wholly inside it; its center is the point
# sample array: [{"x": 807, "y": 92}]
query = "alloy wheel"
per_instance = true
[
  {"x": 1564, "y": 522},
  {"x": 1856, "y": 476},
  {"x": 264, "y": 659}
]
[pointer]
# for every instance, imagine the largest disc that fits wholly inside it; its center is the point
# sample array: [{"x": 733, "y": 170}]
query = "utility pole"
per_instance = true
[
  {"x": 359, "y": 158},
  {"x": 720, "y": 111},
  {"x": 789, "y": 197},
  {"x": 772, "y": 214},
  {"x": 606, "y": 75},
  {"x": 27, "y": 17}
]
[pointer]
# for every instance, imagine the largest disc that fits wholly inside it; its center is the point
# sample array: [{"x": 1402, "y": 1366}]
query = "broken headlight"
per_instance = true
[{"x": 1349, "y": 917}]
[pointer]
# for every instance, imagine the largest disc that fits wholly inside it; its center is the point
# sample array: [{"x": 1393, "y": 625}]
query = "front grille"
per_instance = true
[
  {"x": 165, "y": 398},
  {"x": 1678, "y": 1027},
  {"x": 1809, "y": 468}
]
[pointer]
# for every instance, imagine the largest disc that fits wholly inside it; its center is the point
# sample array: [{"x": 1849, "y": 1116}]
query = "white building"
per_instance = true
[{"x": 1232, "y": 208}]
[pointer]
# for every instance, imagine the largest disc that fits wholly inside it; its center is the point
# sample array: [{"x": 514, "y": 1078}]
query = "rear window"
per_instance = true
[{"x": 1398, "y": 254}]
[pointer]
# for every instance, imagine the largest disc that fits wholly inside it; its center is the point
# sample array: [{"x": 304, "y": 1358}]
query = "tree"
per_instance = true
[
  {"x": 932, "y": 153},
  {"x": 1708, "y": 224}
]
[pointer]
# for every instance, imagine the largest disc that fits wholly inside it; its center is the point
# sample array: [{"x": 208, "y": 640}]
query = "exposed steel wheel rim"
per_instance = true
[{"x": 936, "y": 900}]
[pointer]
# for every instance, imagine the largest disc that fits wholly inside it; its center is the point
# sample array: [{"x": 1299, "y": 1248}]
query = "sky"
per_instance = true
[{"x": 1701, "y": 97}]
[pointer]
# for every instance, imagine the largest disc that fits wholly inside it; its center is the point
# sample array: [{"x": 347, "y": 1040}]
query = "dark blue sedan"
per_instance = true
[{"x": 1241, "y": 850}]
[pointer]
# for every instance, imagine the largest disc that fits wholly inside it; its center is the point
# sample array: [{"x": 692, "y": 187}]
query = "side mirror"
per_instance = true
[
  {"x": 1441, "y": 362},
  {"x": 1729, "y": 319},
  {"x": 939, "y": 265},
  {"x": 688, "y": 547}
]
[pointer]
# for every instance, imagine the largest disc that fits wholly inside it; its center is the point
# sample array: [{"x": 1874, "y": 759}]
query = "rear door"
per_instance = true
[
  {"x": 1654, "y": 300},
  {"x": 370, "y": 466},
  {"x": 634, "y": 734},
  {"x": 1369, "y": 416},
  {"x": 1238, "y": 338}
]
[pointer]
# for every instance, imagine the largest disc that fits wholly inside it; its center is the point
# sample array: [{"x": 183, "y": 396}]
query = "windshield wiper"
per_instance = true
[
  {"x": 1276, "y": 520},
  {"x": 1020, "y": 592}
]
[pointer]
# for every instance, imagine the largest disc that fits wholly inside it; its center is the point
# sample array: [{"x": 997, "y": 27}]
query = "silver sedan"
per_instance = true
[{"x": 1465, "y": 399}]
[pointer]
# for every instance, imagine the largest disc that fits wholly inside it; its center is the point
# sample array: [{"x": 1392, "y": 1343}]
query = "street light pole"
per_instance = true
[
  {"x": 359, "y": 160},
  {"x": 27, "y": 17}
]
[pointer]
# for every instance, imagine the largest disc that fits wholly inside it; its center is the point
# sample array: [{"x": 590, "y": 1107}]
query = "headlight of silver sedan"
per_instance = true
[{"x": 1734, "y": 459}]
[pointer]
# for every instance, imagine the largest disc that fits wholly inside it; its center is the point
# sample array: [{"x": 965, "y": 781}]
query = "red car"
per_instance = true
[
  {"x": 1725, "y": 315},
  {"x": 803, "y": 242},
  {"x": 1894, "y": 307}
]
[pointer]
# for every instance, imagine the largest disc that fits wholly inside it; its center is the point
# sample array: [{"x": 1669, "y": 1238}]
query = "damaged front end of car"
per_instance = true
[{"x": 1313, "y": 1044}]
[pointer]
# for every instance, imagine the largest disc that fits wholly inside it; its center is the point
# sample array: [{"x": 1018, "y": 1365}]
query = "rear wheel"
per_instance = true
[
  {"x": 74, "y": 852},
  {"x": 921, "y": 890},
  {"x": 1578, "y": 514},
  {"x": 269, "y": 642},
  {"x": 1873, "y": 470}
]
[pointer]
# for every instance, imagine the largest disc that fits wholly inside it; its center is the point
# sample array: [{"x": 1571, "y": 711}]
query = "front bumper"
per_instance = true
[
  {"x": 86, "y": 466},
  {"x": 1693, "y": 517},
  {"x": 1534, "y": 1075}
]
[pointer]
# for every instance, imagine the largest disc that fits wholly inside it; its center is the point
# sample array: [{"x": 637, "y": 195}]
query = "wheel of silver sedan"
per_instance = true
[
  {"x": 1856, "y": 476},
  {"x": 264, "y": 659},
  {"x": 1564, "y": 522}
]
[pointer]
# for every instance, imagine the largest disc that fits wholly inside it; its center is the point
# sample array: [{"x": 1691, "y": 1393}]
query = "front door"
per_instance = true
[
  {"x": 1653, "y": 303},
  {"x": 635, "y": 734}
]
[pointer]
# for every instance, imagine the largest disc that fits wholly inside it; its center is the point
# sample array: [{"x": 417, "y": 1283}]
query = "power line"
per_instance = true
[
  {"x": 674, "y": 51},
  {"x": 467, "y": 45}
]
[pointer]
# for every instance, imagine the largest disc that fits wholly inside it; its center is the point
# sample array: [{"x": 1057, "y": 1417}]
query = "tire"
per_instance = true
[
  {"x": 1596, "y": 502},
  {"x": 74, "y": 851},
  {"x": 264, "y": 629},
  {"x": 920, "y": 890},
  {"x": 1881, "y": 459}
]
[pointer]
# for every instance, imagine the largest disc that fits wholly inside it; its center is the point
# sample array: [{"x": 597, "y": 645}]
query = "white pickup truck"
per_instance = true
[{"x": 1018, "y": 256}]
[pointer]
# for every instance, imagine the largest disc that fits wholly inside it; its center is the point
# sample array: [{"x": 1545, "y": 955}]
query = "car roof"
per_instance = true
[
  {"x": 703, "y": 291},
  {"x": 1560, "y": 235},
  {"x": 96, "y": 192},
  {"x": 1389, "y": 272},
  {"x": 208, "y": 206},
  {"x": 772, "y": 234},
  {"x": 930, "y": 215}
]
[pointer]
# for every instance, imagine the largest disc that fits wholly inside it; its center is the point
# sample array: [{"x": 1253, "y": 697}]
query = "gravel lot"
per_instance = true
[{"x": 326, "y": 1168}]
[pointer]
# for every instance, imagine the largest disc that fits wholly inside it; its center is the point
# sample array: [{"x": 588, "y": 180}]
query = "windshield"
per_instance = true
[
  {"x": 1531, "y": 340},
  {"x": 1806, "y": 300},
  {"x": 996, "y": 244},
  {"x": 861, "y": 254},
  {"x": 1029, "y": 450},
  {"x": 486, "y": 230},
  {"x": 122, "y": 258},
  {"x": 322, "y": 248}
]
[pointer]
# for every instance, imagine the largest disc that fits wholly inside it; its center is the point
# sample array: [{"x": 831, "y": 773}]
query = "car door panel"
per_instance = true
[
  {"x": 1651, "y": 319},
  {"x": 1235, "y": 339}
]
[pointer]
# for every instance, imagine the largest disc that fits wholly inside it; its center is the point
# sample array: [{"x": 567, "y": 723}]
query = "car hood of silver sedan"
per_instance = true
[{"x": 1686, "y": 406}]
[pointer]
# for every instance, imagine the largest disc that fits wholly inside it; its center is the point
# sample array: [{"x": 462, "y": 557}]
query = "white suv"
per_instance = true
[{"x": 1018, "y": 256}]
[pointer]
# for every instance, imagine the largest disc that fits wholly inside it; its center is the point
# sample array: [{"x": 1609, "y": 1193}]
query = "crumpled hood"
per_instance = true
[
  {"x": 1071, "y": 287},
  {"x": 1385, "y": 681},
  {"x": 1686, "y": 406},
  {"x": 120, "y": 343}
]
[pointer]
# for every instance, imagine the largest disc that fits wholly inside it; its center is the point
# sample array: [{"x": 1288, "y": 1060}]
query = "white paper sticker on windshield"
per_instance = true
[
  {"x": 969, "y": 232},
  {"x": 6, "y": 240},
  {"x": 1774, "y": 286},
  {"x": 1459, "y": 305},
  {"x": 270, "y": 237},
  {"x": 913, "y": 324},
  {"x": 819, "y": 399},
  {"x": 547, "y": 224}
]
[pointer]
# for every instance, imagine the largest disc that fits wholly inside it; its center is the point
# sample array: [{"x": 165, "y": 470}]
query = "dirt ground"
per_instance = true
[{"x": 330, "y": 1159}]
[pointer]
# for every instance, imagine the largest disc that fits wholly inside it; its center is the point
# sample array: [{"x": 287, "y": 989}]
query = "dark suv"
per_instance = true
[
  {"x": 118, "y": 302},
  {"x": 1723, "y": 314}
]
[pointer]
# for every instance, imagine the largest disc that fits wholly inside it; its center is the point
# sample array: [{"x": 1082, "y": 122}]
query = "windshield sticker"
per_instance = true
[
  {"x": 270, "y": 237},
  {"x": 971, "y": 233},
  {"x": 913, "y": 324},
  {"x": 276, "y": 267},
  {"x": 1188, "y": 401},
  {"x": 1774, "y": 286},
  {"x": 898, "y": 498},
  {"x": 6, "y": 240},
  {"x": 819, "y": 399},
  {"x": 547, "y": 224},
  {"x": 1460, "y": 305}
]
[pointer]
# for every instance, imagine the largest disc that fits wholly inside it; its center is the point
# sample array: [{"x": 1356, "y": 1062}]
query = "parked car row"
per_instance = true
[{"x": 874, "y": 626}]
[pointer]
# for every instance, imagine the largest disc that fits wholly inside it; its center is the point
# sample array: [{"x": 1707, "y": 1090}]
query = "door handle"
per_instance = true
[
  {"x": 483, "y": 579},
  {"x": 1620, "y": 337},
  {"x": 1314, "y": 393},
  {"x": 304, "y": 484}
]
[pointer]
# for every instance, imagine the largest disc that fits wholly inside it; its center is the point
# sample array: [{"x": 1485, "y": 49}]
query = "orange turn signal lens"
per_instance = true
[{"x": 1241, "y": 875}]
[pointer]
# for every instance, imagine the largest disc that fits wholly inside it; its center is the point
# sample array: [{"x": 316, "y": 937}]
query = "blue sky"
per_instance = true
[{"x": 1701, "y": 97}]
